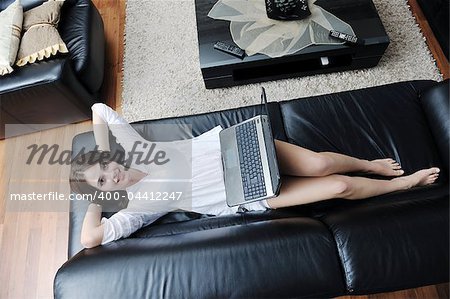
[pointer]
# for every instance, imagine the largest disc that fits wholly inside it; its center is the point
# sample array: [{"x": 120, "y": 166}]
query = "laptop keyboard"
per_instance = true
[{"x": 250, "y": 161}]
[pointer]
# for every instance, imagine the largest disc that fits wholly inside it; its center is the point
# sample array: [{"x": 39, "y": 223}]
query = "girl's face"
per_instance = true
[{"x": 108, "y": 176}]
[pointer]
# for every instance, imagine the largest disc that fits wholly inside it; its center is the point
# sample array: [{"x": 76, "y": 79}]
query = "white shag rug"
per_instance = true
[{"x": 162, "y": 76}]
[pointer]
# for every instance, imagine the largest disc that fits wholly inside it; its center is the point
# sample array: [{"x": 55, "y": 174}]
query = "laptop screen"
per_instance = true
[{"x": 265, "y": 106}]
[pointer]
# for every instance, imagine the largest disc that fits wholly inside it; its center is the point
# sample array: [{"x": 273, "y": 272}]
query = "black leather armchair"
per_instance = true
[
  {"x": 325, "y": 249},
  {"x": 58, "y": 90}
]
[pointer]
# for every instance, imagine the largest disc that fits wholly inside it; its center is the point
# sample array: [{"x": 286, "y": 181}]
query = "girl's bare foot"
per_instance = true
[
  {"x": 386, "y": 167},
  {"x": 419, "y": 178}
]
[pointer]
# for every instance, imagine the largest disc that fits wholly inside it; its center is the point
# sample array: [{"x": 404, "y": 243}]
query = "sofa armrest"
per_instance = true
[
  {"x": 435, "y": 103},
  {"x": 53, "y": 85},
  {"x": 37, "y": 74},
  {"x": 81, "y": 28}
]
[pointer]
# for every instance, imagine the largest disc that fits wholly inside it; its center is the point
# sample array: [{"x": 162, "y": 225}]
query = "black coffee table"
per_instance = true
[{"x": 223, "y": 70}]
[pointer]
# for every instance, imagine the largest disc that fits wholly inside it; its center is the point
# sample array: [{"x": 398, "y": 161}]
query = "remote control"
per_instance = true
[
  {"x": 346, "y": 37},
  {"x": 230, "y": 49}
]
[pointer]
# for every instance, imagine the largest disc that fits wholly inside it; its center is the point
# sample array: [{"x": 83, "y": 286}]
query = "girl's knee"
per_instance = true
[
  {"x": 341, "y": 186},
  {"x": 322, "y": 165}
]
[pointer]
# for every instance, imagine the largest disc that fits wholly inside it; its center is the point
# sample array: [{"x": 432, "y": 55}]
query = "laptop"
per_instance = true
[{"x": 249, "y": 159}]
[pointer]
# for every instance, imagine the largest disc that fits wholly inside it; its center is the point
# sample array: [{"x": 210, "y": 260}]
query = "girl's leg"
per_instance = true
[
  {"x": 296, "y": 190},
  {"x": 297, "y": 161}
]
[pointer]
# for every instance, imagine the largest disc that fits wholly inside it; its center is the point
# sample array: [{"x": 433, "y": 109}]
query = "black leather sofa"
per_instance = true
[
  {"x": 59, "y": 90},
  {"x": 331, "y": 248}
]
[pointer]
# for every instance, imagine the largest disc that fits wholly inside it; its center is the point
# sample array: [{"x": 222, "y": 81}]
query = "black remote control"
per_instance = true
[
  {"x": 230, "y": 49},
  {"x": 346, "y": 37}
]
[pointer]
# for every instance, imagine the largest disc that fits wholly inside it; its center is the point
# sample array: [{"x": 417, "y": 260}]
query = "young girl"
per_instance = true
[{"x": 307, "y": 177}]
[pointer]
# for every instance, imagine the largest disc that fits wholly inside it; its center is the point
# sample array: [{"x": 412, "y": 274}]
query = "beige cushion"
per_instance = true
[
  {"x": 41, "y": 38},
  {"x": 10, "y": 28}
]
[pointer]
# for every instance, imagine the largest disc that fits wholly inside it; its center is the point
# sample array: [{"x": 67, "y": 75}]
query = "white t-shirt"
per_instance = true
[{"x": 201, "y": 180}]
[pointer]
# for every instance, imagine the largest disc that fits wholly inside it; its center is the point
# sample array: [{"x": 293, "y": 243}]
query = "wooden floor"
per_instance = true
[
  {"x": 433, "y": 45},
  {"x": 33, "y": 245}
]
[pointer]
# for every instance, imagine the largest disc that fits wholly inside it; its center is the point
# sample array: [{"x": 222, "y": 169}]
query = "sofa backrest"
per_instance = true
[
  {"x": 27, "y": 4},
  {"x": 380, "y": 122}
]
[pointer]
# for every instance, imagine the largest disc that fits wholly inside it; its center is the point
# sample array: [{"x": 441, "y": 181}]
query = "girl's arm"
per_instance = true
[
  {"x": 92, "y": 229},
  {"x": 125, "y": 134},
  {"x": 101, "y": 133}
]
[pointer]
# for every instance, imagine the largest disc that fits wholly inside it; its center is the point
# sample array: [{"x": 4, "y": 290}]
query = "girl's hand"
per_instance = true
[{"x": 92, "y": 230}]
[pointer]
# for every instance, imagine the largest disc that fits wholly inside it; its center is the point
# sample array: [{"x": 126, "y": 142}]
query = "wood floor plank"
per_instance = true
[
  {"x": 443, "y": 290},
  {"x": 6, "y": 147},
  {"x": 1, "y": 238},
  {"x": 62, "y": 238},
  {"x": 17, "y": 284},
  {"x": 32, "y": 268},
  {"x": 3, "y": 179},
  {"x": 113, "y": 15},
  {"x": 432, "y": 42},
  {"x": 47, "y": 265},
  {"x": 10, "y": 229},
  {"x": 426, "y": 292},
  {"x": 119, "y": 70}
]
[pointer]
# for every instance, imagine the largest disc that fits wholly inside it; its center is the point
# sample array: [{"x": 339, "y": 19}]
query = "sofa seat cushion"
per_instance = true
[
  {"x": 379, "y": 238},
  {"x": 285, "y": 258},
  {"x": 372, "y": 123},
  {"x": 181, "y": 222}
]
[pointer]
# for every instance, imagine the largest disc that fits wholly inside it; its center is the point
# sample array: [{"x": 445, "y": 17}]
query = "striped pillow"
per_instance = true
[{"x": 41, "y": 38}]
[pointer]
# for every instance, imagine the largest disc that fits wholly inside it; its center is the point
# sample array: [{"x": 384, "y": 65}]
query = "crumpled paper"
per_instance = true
[{"x": 254, "y": 32}]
